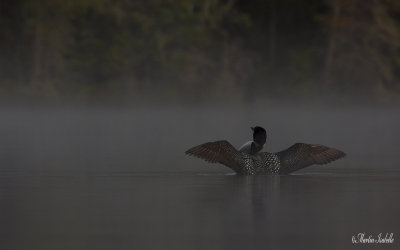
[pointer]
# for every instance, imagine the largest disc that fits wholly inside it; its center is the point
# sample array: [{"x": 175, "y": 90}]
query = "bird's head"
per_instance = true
[{"x": 259, "y": 135}]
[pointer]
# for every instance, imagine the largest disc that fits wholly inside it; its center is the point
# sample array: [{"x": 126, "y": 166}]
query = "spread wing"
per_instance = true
[
  {"x": 302, "y": 155},
  {"x": 218, "y": 152}
]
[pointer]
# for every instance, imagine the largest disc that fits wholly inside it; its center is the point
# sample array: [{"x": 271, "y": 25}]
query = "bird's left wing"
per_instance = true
[{"x": 301, "y": 155}]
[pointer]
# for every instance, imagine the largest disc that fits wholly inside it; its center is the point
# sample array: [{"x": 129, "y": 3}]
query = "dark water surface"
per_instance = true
[{"x": 96, "y": 178}]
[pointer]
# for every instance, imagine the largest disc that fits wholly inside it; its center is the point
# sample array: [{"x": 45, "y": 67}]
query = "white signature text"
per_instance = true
[{"x": 364, "y": 238}]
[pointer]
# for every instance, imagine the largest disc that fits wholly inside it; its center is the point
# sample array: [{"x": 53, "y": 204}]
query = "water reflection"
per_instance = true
[{"x": 159, "y": 211}]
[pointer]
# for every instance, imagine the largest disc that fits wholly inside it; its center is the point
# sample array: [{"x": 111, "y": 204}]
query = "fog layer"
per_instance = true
[{"x": 131, "y": 139}]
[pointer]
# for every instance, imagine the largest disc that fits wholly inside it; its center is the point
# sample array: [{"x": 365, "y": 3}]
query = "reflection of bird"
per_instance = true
[{"x": 249, "y": 161}]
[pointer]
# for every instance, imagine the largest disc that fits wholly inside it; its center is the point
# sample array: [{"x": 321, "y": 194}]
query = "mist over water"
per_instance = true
[
  {"x": 113, "y": 177},
  {"x": 130, "y": 139}
]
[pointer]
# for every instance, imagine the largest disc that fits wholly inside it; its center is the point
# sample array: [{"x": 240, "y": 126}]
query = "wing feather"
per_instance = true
[
  {"x": 217, "y": 152},
  {"x": 302, "y": 155}
]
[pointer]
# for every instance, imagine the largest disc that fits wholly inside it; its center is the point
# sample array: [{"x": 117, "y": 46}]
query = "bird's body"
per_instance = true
[
  {"x": 251, "y": 162},
  {"x": 261, "y": 163}
]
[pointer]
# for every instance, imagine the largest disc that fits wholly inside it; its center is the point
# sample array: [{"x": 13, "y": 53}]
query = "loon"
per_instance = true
[{"x": 249, "y": 161}]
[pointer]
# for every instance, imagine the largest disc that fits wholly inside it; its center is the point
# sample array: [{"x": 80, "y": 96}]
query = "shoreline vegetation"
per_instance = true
[{"x": 191, "y": 51}]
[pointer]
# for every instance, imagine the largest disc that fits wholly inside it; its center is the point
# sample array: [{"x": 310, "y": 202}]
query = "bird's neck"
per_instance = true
[{"x": 255, "y": 147}]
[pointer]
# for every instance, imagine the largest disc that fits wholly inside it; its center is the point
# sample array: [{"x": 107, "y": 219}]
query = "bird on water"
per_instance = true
[{"x": 248, "y": 160}]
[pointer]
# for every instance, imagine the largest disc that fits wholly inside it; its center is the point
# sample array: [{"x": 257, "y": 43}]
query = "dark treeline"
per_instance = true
[{"x": 197, "y": 50}]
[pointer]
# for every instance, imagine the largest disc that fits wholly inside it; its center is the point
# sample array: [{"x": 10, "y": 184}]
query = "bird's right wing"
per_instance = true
[{"x": 218, "y": 152}]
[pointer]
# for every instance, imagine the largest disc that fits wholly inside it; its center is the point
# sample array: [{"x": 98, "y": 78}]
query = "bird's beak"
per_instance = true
[{"x": 252, "y": 128}]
